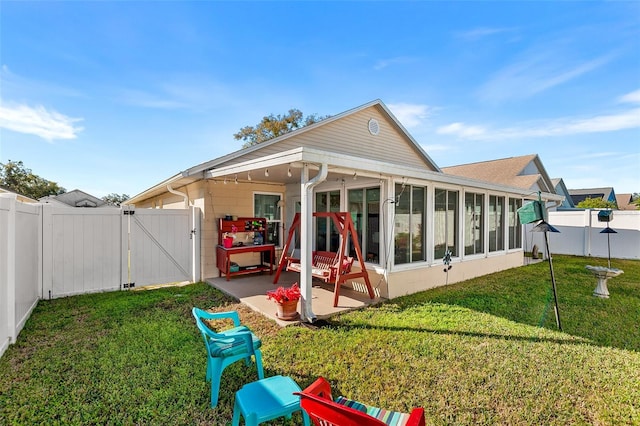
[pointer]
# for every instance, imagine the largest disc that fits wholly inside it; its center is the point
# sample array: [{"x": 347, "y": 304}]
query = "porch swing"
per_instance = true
[{"x": 328, "y": 266}]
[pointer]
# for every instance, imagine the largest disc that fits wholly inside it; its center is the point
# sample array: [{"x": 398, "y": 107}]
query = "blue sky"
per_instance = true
[{"x": 117, "y": 96}]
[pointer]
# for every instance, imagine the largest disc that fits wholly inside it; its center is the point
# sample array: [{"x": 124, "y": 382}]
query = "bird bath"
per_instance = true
[{"x": 603, "y": 274}]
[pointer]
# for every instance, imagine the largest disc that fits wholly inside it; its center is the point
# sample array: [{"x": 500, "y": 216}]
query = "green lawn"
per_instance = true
[{"x": 485, "y": 351}]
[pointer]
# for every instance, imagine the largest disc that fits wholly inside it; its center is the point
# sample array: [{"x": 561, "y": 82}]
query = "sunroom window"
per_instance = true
[
  {"x": 473, "y": 223},
  {"x": 364, "y": 206},
  {"x": 327, "y": 236},
  {"x": 515, "y": 229},
  {"x": 445, "y": 223},
  {"x": 409, "y": 224},
  {"x": 496, "y": 223}
]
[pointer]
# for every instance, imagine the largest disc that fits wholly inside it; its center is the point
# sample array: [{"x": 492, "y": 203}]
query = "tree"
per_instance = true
[
  {"x": 273, "y": 126},
  {"x": 596, "y": 203},
  {"x": 115, "y": 199},
  {"x": 17, "y": 178}
]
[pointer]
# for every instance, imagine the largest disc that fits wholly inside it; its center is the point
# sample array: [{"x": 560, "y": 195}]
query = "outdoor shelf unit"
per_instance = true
[{"x": 243, "y": 225}]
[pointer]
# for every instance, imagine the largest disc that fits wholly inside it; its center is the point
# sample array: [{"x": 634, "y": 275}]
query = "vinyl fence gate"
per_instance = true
[{"x": 91, "y": 250}]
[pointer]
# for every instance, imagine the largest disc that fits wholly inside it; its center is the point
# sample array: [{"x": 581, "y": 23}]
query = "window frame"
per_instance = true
[
  {"x": 478, "y": 223},
  {"x": 363, "y": 234},
  {"x": 277, "y": 223},
  {"x": 411, "y": 213},
  {"x": 496, "y": 222},
  {"x": 512, "y": 218},
  {"x": 450, "y": 195}
]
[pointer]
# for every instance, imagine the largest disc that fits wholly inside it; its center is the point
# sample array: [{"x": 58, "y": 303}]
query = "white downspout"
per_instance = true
[
  {"x": 306, "y": 230},
  {"x": 181, "y": 194}
]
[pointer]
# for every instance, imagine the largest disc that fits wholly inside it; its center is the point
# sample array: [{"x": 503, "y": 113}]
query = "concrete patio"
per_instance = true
[{"x": 251, "y": 290}]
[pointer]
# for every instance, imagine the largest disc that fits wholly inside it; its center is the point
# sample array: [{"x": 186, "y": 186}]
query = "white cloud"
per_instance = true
[
  {"x": 632, "y": 98},
  {"x": 535, "y": 73},
  {"x": 481, "y": 32},
  {"x": 437, "y": 148},
  {"x": 148, "y": 100},
  {"x": 462, "y": 130},
  {"x": 410, "y": 115},
  {"x": 383, "y": 63},
  {"x": 38, "y": 121},
  {"x": 571, "y": 126}
]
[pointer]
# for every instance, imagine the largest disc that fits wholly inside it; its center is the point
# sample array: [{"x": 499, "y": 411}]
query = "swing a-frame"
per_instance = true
[{"x": 328, "y": 266}]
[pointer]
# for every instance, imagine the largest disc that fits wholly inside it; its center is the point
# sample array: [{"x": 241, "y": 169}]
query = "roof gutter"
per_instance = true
[{"x": 181, "y": 194}]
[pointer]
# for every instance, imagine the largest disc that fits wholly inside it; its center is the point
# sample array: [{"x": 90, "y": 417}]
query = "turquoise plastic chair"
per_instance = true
[{"x": 226, "y": 347}]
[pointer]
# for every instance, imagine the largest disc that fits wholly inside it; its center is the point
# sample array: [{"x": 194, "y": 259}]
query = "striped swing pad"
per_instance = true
[{"x": 391, "y": 418}]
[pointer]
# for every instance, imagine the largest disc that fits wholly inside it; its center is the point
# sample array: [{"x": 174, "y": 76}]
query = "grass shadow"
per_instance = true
[{"x": 524, "y": 295}]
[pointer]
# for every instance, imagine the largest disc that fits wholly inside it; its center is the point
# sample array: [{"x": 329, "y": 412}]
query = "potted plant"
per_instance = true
[{"x": 286, "y": 299}]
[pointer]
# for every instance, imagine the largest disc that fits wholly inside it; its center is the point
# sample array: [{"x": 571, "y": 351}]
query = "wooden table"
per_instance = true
[{"x": 223, "y": 259}]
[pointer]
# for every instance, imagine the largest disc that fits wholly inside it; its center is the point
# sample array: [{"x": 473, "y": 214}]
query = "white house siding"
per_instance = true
[{"x": 350, "y": 136}]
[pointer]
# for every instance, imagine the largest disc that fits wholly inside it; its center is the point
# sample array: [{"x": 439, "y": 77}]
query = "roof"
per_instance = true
[
  {"x": 325, "y": 122},
  {"x": 317, "y": 144},
  {"x": 605, "y": 194},
  {"x": 19, "y": 197},
  {"x": 75, "y": 198},
  {"x": 624, "y": 202},
  {"x": 561, "y": 189},
  {"x": 512, "y": 171},
  {"x": 263, "y": 149}
]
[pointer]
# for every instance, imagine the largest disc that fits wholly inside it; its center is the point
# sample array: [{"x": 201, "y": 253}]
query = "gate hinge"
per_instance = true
[{"x": 128, "y": 285}]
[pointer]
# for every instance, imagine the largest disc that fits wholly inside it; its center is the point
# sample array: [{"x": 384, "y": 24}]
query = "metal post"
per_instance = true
[{"x": 553, "y": 281}]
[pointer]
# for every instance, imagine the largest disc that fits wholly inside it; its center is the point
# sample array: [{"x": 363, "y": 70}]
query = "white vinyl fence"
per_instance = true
[
  {"x": 48, "y": 252},
  {"x": 581, "y": 234},
  {"x": 20, "y": 279}
]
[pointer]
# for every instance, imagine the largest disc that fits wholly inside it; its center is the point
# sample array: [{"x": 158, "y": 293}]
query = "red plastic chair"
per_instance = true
[{"x": 317, "y": 402}]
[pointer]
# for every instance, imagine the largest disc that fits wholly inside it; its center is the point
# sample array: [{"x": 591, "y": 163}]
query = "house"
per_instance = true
[
  {"x": 525, "y": 172},
  {"x": 605, "y": 194},
  {"x": 19, "y": 197},
  {"x": 561, "y": 189},
  {"x": 75, "y": 198},
  {"x": 408, "y": 214},
  {"x": 625, "y": 202}
]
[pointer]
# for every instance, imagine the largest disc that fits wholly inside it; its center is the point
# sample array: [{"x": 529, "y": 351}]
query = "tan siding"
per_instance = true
[
  {"x": 229, "y": 199},
  {"x": 350, "y": 136}
]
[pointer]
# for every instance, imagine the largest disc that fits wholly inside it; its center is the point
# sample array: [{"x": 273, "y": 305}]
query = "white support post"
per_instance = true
[
  {"x": 306, "y": 241},
  {"x": 47, "y": 252},
  {"x": 195, "y": 244},
  {"x": 9, "y": 276}
]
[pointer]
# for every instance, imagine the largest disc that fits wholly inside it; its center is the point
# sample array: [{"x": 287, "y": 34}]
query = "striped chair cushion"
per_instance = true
[{"x": 391, "y": 418}]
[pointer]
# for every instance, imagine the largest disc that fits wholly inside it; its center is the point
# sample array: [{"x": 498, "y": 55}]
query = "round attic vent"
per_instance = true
[{"x": 374, "y": 127}]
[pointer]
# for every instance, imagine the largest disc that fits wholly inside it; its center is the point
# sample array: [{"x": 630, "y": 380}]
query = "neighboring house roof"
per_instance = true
[
  {"x": 561, "y": 189},
  {"x": 624, "y": 202},
  {"x": 605, "y": 194},
  {"x": 75, "y": 198},
  {"x": 19, "y": 197},
  {"x": 525, "y": 172}
]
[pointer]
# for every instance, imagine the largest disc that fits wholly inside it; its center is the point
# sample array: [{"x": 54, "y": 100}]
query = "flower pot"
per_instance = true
[{"x": 288, "y": 310}]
